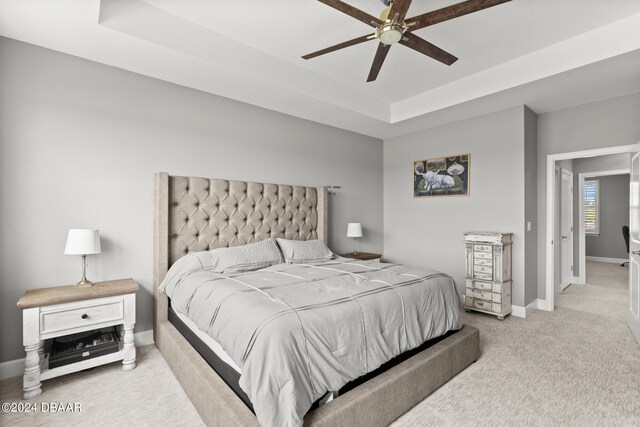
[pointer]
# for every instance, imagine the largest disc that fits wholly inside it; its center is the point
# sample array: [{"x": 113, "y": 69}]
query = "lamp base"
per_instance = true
[{"x": 84, "y": 283}]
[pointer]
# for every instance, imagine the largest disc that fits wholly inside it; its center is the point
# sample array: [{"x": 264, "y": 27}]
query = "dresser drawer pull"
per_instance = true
[{"x": 84, "y": 316}]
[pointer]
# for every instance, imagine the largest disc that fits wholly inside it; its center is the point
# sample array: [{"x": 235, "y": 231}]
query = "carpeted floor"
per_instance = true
[{"x": 576, "y": 366}]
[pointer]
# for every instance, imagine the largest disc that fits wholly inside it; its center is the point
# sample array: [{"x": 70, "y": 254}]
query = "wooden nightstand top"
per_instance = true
[
  {"x": 62, "y": 294},
  {"x": 362, "y": 256}
]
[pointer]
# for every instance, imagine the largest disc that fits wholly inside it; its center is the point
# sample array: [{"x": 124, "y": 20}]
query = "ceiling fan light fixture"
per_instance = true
[{"x": 389, "y": 34}]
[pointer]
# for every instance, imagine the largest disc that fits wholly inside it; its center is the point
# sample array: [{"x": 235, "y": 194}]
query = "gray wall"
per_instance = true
[
  {"x": 614, "y": 213},
  {"x": 80, "y": 141},
  {"x": 531, "y": 204},
  {"x": 609, "y": 123},
  {"x": 428, "y": 232}
]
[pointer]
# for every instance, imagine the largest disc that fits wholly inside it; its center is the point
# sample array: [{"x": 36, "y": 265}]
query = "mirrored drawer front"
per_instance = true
[
  {"x": 80, "y": 317},
  {"x": 482, "y": 261},
  {"x": 482, "y": 255},
  {"x": 485, "y": 276},
  {"x": 485, "y": 295},
  {"x": 482, "y": 248},
  {"x": 482, "y": 305},
  {"x": 482, "y": 269},
  {"x": 479, "y": 285}
]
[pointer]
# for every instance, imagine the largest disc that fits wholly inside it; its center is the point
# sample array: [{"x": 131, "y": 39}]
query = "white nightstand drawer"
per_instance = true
[
  {"x": 481, "y": 261},
  {"x": 482, "y": 248},
  {"x": 59, "y": 320}
]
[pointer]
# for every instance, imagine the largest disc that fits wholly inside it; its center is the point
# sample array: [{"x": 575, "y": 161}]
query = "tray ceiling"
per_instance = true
[{"x": 520, "y": 52}]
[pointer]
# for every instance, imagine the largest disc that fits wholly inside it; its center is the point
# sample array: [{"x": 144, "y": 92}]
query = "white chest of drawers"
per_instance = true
[{"x": 488, "y": 273}]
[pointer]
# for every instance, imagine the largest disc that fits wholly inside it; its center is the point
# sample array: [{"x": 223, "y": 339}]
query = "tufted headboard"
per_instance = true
[{"x": 197, "y": 214}]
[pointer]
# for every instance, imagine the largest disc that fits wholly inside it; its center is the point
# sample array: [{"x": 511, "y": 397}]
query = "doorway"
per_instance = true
[
  {"x": 554, "y": 190},
  {"x": 603, "y": 205}
]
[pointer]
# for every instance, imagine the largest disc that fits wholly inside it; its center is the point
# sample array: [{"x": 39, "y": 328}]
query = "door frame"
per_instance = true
[
  {"x": 582, "y": 258},
  {"x": 548, "y": 302}
]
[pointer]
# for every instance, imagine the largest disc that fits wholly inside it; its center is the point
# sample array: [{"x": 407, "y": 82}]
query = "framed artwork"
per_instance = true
[{"x": 442, "y": 176}]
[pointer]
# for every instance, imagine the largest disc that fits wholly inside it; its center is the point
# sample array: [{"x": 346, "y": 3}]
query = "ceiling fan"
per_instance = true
[{"x": 392, "y": 28}]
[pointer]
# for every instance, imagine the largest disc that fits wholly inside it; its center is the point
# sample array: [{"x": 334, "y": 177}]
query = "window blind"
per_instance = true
[{"x": 591, "y": 207}]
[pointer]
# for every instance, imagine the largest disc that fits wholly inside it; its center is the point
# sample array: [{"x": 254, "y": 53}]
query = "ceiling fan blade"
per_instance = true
[
  {"x": 426, "y": 48},
  {"x": 450, "y": 12},
  {"x": 339, "y": 46},
  {"x": 400, "y": 7},
  {"x": 378, "y": 60},
  {"x": 353, "y": 12}
]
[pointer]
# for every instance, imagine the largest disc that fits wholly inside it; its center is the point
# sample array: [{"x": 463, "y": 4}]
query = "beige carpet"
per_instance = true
[{"x": 576, "y": 366}]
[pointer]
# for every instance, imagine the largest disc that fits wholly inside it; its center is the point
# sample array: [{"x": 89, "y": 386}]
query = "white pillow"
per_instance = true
[
  {"x": 252, "y": 256},
  {"x": 304, "y": 251}
]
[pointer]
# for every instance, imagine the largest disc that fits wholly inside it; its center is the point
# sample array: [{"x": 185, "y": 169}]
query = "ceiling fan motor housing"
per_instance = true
[{"x": 389, "y": 33}]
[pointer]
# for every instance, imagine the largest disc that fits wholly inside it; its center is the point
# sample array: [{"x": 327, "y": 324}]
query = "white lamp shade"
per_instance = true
[
  {"x": 354, "y": 229},
  {"x": 82, "y": 241}
]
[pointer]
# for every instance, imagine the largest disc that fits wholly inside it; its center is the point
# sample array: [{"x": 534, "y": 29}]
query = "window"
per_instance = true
[{"x": 592, "y": 207}]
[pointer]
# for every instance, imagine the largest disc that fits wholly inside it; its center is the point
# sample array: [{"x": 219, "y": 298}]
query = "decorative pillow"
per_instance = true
[
  {"x": 252, "y": 256},
  {"x": 304, "y": 251}
]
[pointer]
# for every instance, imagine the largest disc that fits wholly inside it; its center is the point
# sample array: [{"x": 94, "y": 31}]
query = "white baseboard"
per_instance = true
[
  {"x": 519, "y": 311},
  {"x": 604, "y": 259},
  {"x": 544, "y": 304},
  {"x": 15, "y": 368},
  {"x": 524, "y": 312}
]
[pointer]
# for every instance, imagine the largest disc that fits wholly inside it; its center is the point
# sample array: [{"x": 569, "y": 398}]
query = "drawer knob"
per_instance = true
[{"x": 84, "y": 316}]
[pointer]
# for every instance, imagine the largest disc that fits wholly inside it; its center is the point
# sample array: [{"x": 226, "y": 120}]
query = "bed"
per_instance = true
[{"x": 197, "y": 214}]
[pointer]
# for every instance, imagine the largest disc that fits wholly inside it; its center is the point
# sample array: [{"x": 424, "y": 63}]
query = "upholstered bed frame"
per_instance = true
[{"x": 195, "y": 214}]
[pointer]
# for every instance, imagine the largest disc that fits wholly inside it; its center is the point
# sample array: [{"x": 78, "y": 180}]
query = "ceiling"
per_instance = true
[{"x": 547, "y": 54}]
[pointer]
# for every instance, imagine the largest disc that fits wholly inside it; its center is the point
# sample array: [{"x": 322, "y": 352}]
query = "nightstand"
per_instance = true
[
  {"x": 48, "y": 313},
  {"x": 362, "y": 256}
]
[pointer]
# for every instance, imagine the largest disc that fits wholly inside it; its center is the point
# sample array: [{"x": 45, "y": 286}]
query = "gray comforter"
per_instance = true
[{"x": 298, "y": 331}]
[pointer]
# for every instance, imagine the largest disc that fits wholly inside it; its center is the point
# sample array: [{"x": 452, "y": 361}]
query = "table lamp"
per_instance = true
[
  {"x": 354, "y": 229},
  {"x": 82, "y": 241}
]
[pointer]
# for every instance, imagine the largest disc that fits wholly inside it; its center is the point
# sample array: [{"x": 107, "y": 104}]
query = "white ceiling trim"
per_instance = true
[{"x": 615, "y": 39}]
